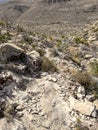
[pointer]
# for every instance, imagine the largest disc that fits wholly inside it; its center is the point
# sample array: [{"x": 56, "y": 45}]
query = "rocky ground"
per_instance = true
[{"x": 48, "y": 82}]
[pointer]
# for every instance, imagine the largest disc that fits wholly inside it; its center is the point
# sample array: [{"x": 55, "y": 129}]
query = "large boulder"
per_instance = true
[{"x": 10, "y": 52}]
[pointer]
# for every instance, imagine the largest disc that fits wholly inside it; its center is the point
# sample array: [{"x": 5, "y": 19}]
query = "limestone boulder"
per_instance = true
[
  {"x": 10, "y": 52},
  {"x": 86, "y": 108}
]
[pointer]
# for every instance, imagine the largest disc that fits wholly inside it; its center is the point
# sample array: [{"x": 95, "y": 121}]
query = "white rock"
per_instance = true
[
  {"x": 88, "y": 56},
  {"x": 15, "y": 125},
  {"x": 52, "y": 79},
  {"x": 34, "y": 55},
  {"x": 86, "y": 108},
  {"x": 81, "y": 92}
]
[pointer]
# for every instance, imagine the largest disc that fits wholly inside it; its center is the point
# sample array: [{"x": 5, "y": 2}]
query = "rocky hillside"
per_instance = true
[
  {"x": 50, "y": 15},
  {"x": 48, "y": 82}
]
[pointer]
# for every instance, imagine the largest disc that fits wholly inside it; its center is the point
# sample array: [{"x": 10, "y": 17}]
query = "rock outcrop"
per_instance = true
[{"x": 10, "y": 52}]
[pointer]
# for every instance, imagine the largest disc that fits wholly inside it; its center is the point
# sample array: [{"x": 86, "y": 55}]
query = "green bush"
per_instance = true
[{"x": 4, "y": 37}]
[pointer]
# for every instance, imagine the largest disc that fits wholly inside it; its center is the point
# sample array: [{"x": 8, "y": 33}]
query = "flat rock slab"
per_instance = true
[{"x": 86, "y": 108}]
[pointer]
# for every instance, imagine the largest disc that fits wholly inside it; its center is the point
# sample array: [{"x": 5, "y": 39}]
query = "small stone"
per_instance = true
[
  {"x": 52, "y": 79},
  {"x": 86, "y": 108},
  {"x": 30, "y": 110},
  {"x": 88, "y": 56}
]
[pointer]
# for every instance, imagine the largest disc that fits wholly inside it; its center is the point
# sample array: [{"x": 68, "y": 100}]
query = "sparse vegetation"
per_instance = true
[
  {"x": 79, "y": 125},
  {"x": 96, "y": 30},
  {"x": 48, "y": 65},
  {"x": 77, "y": 60},
  {"x": 20, "y": 29},
  {"x": 27, "y": 39},
  {"x": 59, "y": 43},
  {"x": 80, "y": 40},
  {"x": 2, "y": 23},
  {"x": 85, "y": 79},
  {"x": 4, "y": 37},
  {"x": 94, "y": 67}
]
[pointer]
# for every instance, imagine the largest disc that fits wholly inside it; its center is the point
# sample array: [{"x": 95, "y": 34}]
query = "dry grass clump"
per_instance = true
[
  {"x": 48, "y": 65},
  {"x": 85, "y": 79},
  {"x": 27, "y": 39},
  {"x": 20, "y": 29},
  {"x": 94, "y": 67},
  {"x": 2, "y": 23},
  {"x": 77, "y": 60},
  {"x": 4, "y": 37},
  {"x": 79, "y": 125}
]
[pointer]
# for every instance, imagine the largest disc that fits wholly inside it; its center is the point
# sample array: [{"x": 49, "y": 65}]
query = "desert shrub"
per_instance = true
[
  {"x": 80, "y": 127},
  {"x": 48, "y": 65},
  {"x": 85, "y": 79},
  {"x": 20, "y": 29},
  {"x": 77, "y": 60},
  {"x": 94, "y": 67},
  {"x": 4, "y": 37},
  {"x": 95, "y": 29},
  {"x": 27, "y": 39},
  {"x": 2, "y": 23},
  {"x": 80, "y": 40},
  {"x": 58, "y": 43}
]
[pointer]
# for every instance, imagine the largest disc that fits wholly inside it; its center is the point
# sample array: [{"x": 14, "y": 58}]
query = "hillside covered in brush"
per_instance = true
[{"x": 50, "y": 15}]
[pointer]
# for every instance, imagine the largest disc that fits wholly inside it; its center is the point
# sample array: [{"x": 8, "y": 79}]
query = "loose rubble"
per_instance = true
[{"x": 32, "y": 98}]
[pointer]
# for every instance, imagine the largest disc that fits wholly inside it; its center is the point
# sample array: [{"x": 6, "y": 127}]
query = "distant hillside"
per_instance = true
[{"x": 50, "y": 14}]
